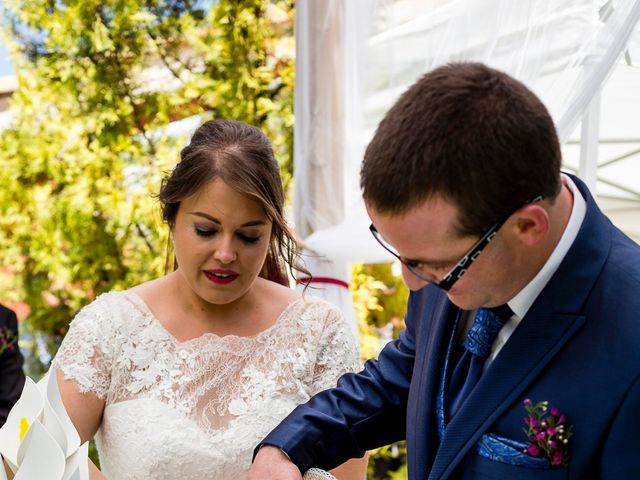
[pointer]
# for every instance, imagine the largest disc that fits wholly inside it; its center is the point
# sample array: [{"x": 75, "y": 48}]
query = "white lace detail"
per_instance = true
[
  {"x": 317, "y": 474},
  {"x": 196, "y": 409}
]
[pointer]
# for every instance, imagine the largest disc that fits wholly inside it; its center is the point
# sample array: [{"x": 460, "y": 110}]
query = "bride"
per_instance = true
[{"x": 182, "y": 376}]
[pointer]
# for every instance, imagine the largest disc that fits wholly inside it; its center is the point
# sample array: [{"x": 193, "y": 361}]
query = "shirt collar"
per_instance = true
[{"x": 521, "y": 303}]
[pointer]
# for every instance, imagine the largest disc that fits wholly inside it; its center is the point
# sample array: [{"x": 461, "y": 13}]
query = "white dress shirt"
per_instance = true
[{"x": 521, "y": 303}]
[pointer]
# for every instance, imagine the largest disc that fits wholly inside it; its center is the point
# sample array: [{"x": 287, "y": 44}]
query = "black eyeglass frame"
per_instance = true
[{"x": 461, "y": 267}]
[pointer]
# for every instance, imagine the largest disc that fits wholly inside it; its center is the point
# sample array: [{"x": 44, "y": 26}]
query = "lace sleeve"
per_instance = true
[
  {"x": 85, "y": 353},
  {"x": 338, "y": 351}
]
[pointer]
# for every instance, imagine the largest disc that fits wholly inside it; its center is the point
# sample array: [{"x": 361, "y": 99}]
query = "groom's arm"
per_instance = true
[{"x": 366, "y": 410}]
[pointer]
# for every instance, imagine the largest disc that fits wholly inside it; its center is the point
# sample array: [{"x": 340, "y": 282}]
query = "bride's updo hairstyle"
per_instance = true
[{"x": 242, "y": 156}]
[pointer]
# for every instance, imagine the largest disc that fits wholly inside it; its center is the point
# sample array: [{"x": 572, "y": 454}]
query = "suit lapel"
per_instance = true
[
  {"x": 421, "y": 429},
  {"x": 551, "y": 322},
  {"x": 521, "y": 360}
]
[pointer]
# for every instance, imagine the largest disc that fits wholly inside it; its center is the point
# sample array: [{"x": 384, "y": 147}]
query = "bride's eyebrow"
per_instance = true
[{"x": 251, "y": 223}]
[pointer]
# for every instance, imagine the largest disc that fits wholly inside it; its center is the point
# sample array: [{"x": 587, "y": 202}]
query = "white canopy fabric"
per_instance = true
[{"x": 355, "y": 57}]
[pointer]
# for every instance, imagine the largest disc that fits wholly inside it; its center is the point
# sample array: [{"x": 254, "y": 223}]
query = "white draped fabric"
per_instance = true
[
  {"x": 330, "y": 281},
  {"x": 355, "y": 57}
]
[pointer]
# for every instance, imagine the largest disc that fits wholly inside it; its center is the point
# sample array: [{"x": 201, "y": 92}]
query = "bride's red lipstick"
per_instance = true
[{"x": 220, "y": 276}]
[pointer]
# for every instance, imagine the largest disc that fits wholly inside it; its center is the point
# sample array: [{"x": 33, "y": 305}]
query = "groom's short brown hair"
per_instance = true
[{"x": 469, "y": 133}]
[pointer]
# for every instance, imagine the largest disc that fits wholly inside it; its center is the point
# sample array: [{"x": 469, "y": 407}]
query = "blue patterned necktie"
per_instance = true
[{"x": 477, "y": 348}]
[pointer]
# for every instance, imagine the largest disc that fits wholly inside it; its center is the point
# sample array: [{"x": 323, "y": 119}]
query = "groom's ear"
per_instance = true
[{"x": 530, "y": 224}]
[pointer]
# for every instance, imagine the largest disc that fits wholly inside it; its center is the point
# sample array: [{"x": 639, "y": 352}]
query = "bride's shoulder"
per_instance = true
[
  {"x": 104, "y": 302},
  {"x": 109, "y": 311},
  {"x": 315, "y": 312},
  {"x": 276, "y": 291},
  {"x": 298, "y": 302}
]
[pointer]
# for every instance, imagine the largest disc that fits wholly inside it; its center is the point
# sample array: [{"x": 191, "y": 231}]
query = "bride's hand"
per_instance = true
[{"x": 94, "y": 473}]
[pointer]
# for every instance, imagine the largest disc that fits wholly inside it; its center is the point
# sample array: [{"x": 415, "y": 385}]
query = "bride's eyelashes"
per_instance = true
[
  {"x": 249, "y": 239},
  {"x": 210, "y": 232}
]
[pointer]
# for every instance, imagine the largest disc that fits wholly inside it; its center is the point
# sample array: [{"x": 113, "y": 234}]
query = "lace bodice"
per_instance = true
[{"x": 196, "y": 409}]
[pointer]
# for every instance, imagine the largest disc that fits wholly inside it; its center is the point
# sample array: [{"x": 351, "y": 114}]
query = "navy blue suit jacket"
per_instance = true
[
  {"x": 11, "y": 374},
  {"x": 578, "y": 347}
]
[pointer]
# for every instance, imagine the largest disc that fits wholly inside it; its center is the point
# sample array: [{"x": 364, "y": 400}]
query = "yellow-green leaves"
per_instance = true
[
  {"x": 88, "y": 144},
  {"x": 100, "y": 37}
]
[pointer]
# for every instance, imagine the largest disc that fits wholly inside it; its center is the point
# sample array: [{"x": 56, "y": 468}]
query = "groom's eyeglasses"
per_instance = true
[{"x": 421, "y": 270}]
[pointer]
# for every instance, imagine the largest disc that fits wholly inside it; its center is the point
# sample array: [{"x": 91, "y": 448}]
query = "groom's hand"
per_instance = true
[{"x": 271, "y": 464}]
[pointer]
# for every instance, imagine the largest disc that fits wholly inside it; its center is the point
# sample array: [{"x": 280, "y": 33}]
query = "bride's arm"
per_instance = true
[
  {"x": 339, "y": 353},
  {"x": 94, "y": 473},
  {"x": 85, "y": 411},
  {"x": 354, "y": 469}
]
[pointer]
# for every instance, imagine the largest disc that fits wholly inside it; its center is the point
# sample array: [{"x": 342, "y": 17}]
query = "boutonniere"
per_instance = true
[
  {"x": 548, "y": 433},
  {"x": 7, "y": 339}
]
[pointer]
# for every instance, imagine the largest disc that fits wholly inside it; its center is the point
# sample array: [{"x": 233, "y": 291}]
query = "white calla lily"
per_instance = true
[
  {"x": 39, "y": 440},
  {"x": 26, "y": 410}
]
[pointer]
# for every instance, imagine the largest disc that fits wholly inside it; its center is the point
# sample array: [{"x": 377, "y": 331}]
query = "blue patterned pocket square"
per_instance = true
[{"x": 505, "y": 450}]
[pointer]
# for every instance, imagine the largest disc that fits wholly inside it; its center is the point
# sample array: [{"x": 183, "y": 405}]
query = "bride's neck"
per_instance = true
[{"x": 196, "y": 314}]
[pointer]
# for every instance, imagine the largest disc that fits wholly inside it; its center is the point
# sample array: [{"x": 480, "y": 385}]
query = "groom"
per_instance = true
[{"x": 521, "y": 356}]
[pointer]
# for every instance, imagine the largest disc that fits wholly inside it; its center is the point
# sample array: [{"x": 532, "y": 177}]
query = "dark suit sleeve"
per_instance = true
[
  {"x": 620, "y": 454},
  {"x": 11, "y": 374},
  {"x": 366, "y": 410}
]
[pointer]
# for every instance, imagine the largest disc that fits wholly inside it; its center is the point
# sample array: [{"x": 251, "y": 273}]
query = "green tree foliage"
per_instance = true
[
  {"x": 380, "y": 299},
  {"x": 88, "y": 145}
]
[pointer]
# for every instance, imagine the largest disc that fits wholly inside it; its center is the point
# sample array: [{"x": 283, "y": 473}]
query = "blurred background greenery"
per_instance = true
[{"x": 95, "y": 124}]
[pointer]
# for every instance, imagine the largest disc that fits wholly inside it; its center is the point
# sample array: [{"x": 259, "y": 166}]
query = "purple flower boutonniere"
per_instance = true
[
  {"x": 7, "y": 340},
  {"x": 548, "y": 433}
]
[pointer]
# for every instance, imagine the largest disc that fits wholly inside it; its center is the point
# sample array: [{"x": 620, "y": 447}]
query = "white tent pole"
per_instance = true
[
  {"x": 589, "y": 138},
  {"x": 600, "y": 73}
]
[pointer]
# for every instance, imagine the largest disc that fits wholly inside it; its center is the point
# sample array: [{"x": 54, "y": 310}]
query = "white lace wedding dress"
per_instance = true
[{"x": 196, "y": 409}]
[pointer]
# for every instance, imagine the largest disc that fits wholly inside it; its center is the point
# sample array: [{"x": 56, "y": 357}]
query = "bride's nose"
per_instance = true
[{"x": 225, "y": 251}]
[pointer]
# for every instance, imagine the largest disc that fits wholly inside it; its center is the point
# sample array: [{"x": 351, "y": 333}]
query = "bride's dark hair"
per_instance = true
[{"x": 242, "y": 156}]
